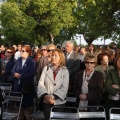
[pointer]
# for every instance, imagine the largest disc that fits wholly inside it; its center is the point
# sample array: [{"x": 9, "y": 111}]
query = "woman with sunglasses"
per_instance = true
[
  {"x": 7, "y": 64},
  {"x": 50, "y": 49},
  {"x": 89, "y": 84},
  {"x": 53, "y": 83},
  {"x": 24, "y": 71},
  {"x": 45, "y": 59}
]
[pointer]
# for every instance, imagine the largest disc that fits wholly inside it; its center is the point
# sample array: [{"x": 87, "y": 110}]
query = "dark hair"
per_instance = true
[
  {"x": 12, "y": 50},
  {"x": 102, "y": 55}
]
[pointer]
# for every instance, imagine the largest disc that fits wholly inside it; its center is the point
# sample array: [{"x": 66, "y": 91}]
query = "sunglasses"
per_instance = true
[
  {"x": 43, "y": 49},
  {"x": 8, "y": 51},
  {"x": 89, "y": 62},
  {"x": 23, "y": 51},
  {"x": 50, "y": 50}
]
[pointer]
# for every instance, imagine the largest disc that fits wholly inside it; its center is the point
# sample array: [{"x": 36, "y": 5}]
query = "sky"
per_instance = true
[{"x": 95, "y": 42}]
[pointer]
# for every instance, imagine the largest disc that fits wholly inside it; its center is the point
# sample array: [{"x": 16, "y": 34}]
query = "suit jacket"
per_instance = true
[
  {"x": 43, "y": 61},
  {"x": 27, "y": 73},
  {"x": 99, "y": 68},
  {"x": 73, "y": 64},
  {"x": 0, "y": 67},
  {"x": 8, "y": 69},
  {"x": 95, "y": 87},
  {"x": 59, "y": 86}
]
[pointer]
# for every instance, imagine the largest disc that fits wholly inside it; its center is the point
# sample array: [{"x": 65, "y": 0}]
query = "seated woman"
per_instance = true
[
  {"x": 112, "y": 87},
  {"x": 53, "y": 83},
  {"x": 89, "y": 84}
]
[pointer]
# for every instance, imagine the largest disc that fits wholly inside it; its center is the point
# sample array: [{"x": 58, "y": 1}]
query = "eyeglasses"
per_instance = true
[
  {"x": 43, "y": 49},
  {"x": 50, "y": 50},
  {"x": 89, "y": 62},
  {"x": 23, "y": 51},
  {"x": 9, "y": 51}
]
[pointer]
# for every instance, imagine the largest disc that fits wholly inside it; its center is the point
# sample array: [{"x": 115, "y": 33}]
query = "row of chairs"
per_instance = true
[
  {"x": 11, "y": 99},
  {"x": 77, "y": 113}
]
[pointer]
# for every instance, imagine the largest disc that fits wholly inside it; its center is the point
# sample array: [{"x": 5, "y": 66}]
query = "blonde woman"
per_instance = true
[
  {"x": 89, "y": 84},
  {"x": 53, "y": 83}
]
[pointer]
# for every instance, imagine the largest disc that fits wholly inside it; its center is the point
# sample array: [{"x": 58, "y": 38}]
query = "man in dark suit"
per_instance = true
[
  {"x": 82, "y": 55},
  {"x": 72, "y": 63},
  {"x": 1, "y": 97}
]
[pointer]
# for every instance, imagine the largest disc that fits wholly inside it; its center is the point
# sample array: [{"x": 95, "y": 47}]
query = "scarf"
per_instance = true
[{"x": 84, "y": 88}]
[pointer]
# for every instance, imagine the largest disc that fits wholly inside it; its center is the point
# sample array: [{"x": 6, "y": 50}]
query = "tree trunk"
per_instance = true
[{"x": 52, "y": 37}]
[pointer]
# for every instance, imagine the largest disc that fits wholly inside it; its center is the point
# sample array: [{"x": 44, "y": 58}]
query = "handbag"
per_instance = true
[{"x": 28, "y": 88}]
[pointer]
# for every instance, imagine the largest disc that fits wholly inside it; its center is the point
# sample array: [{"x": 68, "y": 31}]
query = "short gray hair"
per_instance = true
[{"x": 70, "y": 42}]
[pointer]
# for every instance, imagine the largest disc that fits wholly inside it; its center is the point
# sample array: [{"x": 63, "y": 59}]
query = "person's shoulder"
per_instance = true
[
  {"x": 98, "y": 72},
  {"x": 111, "y": 67},
  {"x": 112, "y": 70},
  {"x": 64, "y": 67}
]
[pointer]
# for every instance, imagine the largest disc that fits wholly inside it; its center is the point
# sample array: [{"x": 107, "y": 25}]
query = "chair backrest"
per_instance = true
[
  {"x": 66, "y": 113},
  {"x": 0, "y": 111},
  {"x": 113, "y": 113},
  {"x": 12, "y": 99},
  {"x": 92, "y": 112},
  {"x": 71, "y": 99},
  {"x": 5, "y": 87}
]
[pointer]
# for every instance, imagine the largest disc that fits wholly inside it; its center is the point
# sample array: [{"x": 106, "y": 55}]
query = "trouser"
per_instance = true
[
  {"x": 25, "y": 113},
  {"x": 112, "y": 103},
  {"x": 47, "y": 109}
]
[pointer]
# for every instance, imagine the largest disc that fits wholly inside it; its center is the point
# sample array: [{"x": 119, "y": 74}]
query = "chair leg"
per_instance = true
[{"x": 21, "y": 115}]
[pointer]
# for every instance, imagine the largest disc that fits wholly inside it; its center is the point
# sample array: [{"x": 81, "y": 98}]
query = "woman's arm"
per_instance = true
[
  {"x": 109, "y": 86},
  {"x": 41, "y": 87}
]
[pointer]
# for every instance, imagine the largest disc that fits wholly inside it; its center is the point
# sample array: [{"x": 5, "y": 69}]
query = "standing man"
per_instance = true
[
  {"x": 2, "y": 52},
  {"x": 91, "y": 49},
  {"x": 17, "y": 53},
  {"x": 82, "y": 55},
  {"x": 72, "y": 63}
]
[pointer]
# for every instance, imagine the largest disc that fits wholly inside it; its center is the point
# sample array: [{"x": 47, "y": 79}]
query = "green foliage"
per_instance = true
[
  {"x": 96, "y": 18},
  {"x": 41, "y": 21},
  {"x": 17, "y": 25},
  {"x": 44, "y": 17}
]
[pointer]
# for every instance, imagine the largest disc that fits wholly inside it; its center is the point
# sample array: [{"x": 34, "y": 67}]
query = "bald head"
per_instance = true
[{"x": 82, "y": 51}]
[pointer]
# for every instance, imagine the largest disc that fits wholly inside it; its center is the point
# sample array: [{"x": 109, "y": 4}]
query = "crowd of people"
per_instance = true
[{"x": 92, "y": 76}]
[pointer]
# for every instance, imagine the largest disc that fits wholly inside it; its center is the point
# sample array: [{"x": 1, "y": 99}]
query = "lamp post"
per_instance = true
[{"x": 80, "y": 40}]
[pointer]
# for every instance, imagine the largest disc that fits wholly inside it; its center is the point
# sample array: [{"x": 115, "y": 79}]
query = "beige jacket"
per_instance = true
[{"x": 59, "y": 86}]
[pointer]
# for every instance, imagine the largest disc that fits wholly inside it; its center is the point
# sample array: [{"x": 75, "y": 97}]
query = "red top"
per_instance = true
[{"x": 54, "y": 73}]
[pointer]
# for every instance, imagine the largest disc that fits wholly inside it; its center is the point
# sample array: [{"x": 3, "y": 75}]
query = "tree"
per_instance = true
[
  {"x": 17, "y": 26},
  {"x": 48, "y": 17},
  {"x": 96, "y": 18}
]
